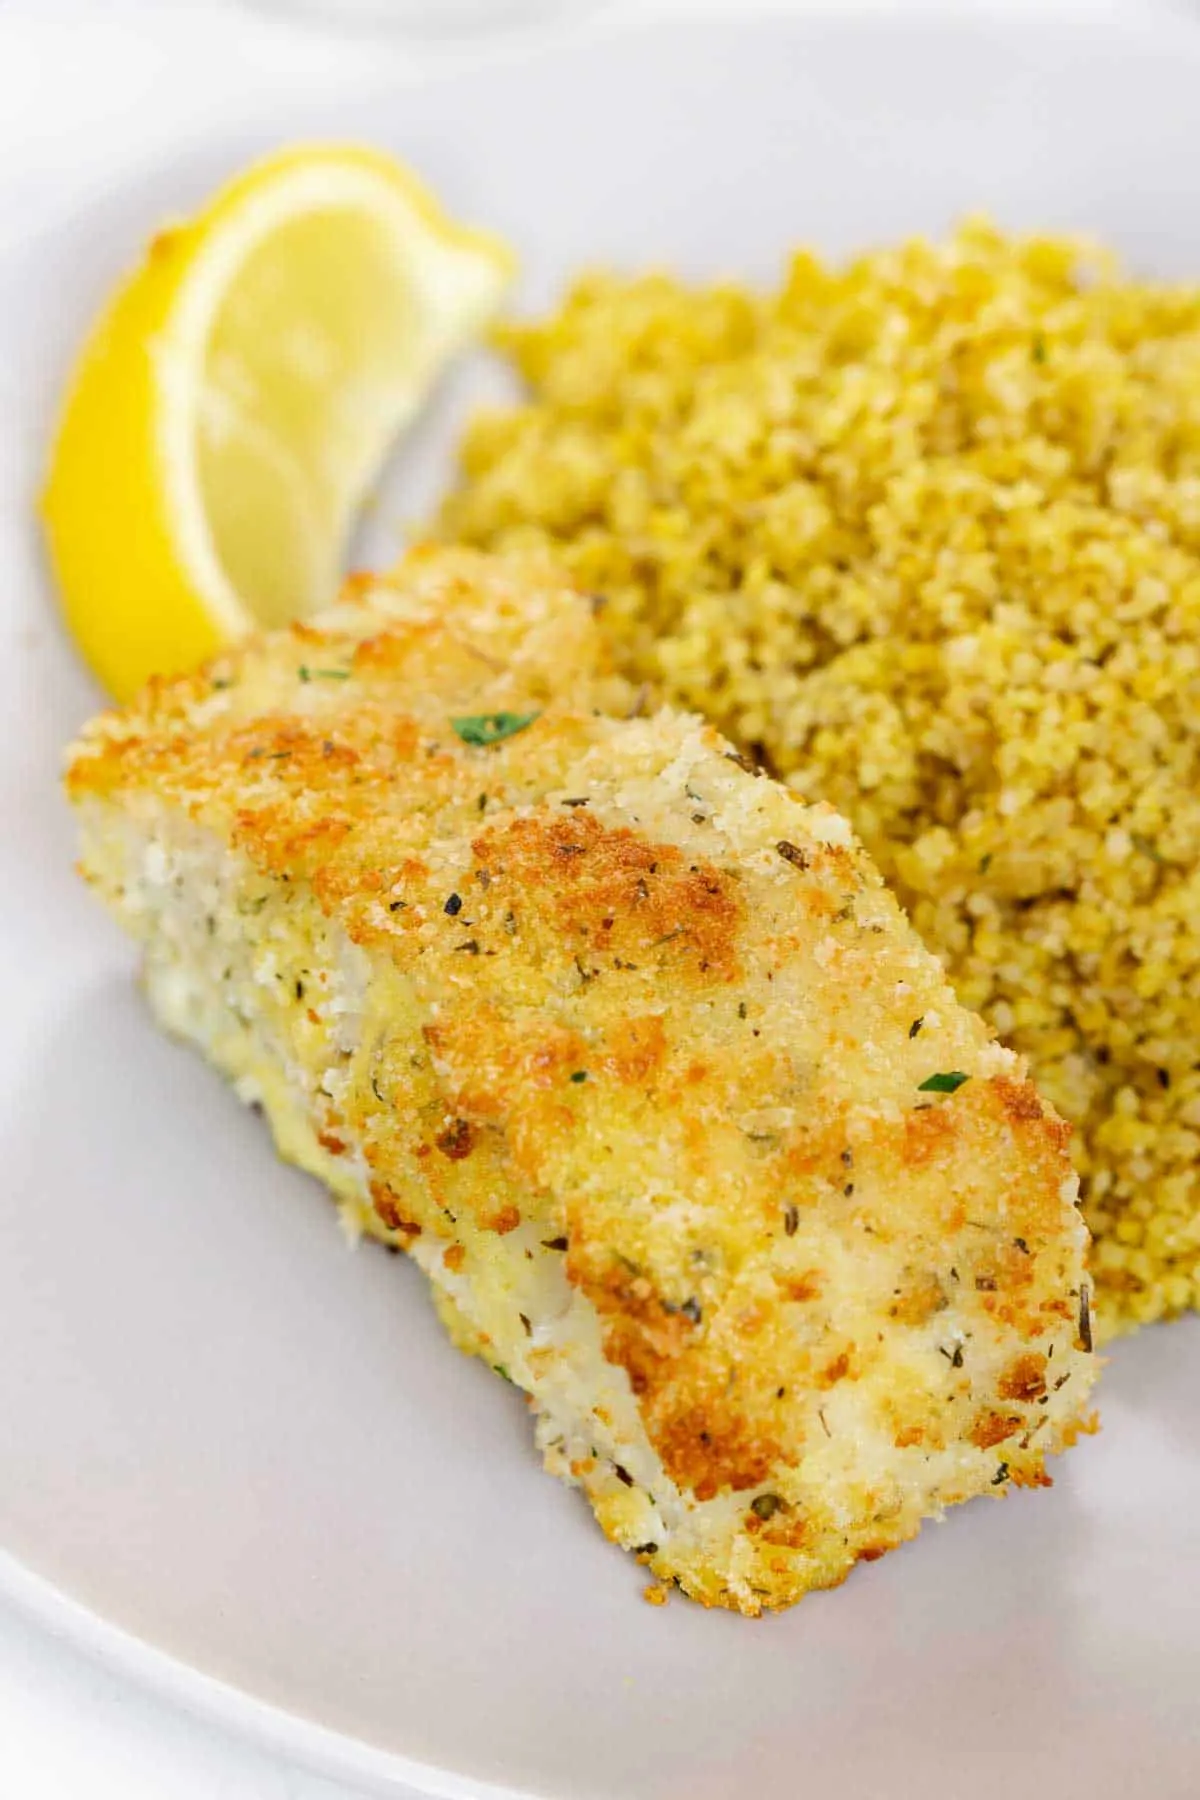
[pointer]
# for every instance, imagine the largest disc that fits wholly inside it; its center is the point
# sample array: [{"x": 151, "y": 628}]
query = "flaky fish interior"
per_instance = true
[{"x": 628, "y": 1048}]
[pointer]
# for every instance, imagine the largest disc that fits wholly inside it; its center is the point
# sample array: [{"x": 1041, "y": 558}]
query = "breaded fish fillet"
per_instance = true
[{"x": 629, "y": 1048}]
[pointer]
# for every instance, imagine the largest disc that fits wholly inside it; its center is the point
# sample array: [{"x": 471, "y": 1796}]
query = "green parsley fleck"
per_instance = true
[
  {"x": 580, "y": 1075},
  {"x": 307, "y": 674},
  {"x": 492, "y": 728},
  {"x": 948, "y": 1082}
]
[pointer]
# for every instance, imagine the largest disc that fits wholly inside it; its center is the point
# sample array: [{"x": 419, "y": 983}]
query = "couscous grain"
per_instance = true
[{"x": 925, "y": 532}]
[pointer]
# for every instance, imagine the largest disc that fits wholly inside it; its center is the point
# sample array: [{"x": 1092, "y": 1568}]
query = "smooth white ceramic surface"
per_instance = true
[{"x": 248, "y": 1450}]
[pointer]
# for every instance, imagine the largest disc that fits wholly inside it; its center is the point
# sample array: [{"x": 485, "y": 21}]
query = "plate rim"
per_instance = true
[{"x": 253, "y": 1721}]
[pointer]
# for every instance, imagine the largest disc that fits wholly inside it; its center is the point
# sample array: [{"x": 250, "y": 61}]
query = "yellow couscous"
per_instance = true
[{"x": 925, "y": 532}]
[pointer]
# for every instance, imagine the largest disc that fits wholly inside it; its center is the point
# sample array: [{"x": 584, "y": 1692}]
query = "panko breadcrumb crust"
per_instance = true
[
  {"x": 925, "y": 529},
  {"x": 630, "y": 1048}
]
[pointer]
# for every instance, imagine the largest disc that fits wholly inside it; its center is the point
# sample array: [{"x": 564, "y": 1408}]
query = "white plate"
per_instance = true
[{"x": 254, "y": 1452}]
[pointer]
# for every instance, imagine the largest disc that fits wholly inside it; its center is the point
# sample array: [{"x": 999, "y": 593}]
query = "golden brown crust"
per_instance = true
[
  {"x": 679, "y": 1030},
  {"x": 617, "y": 892}
]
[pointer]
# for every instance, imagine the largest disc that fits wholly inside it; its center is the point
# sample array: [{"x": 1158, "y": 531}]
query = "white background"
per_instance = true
[{"x": 68, "y": 1727}]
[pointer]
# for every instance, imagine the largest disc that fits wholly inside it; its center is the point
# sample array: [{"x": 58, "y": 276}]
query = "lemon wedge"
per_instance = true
[{"x": 233, "y": 404}]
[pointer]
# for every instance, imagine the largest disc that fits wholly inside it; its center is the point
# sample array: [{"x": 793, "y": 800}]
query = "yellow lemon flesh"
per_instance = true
[{"x": 233, "y": 404}]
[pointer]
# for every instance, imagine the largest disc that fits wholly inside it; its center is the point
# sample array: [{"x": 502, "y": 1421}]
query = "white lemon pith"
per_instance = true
[{"x": 234, "y": 402}]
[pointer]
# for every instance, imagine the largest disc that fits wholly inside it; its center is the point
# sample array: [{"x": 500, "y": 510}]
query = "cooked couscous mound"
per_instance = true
[{"x": 925, "y": 532}]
